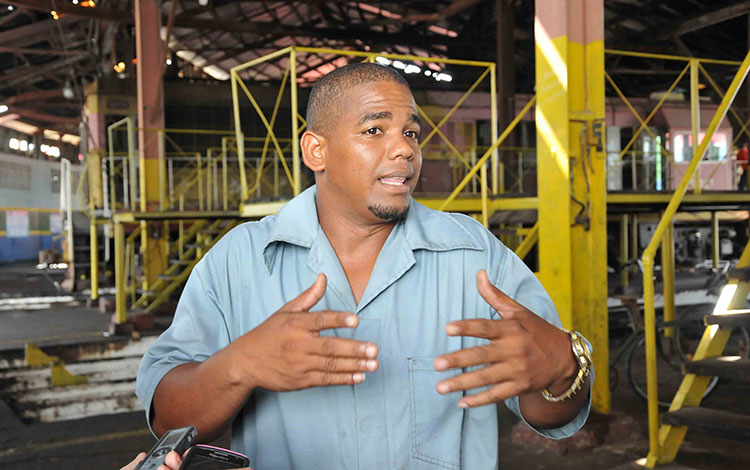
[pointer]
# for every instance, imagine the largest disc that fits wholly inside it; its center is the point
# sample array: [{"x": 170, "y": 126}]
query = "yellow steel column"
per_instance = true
[
  {"x": 695, "y": 117},
  {"x": 295, "y": 123},
  {"x": 624, "y": 278},
  {"x": 715, "y": 239},
  {"x": 586, "y": 137},
  {"x": 571, "y": 161},
  {"x": 553, "y": 162}
]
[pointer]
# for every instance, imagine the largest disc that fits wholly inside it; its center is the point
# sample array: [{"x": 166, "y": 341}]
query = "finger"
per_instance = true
[
  {"x": 343, "y": 364},
  {"x": 342, "y": 347},
  {"x": 308, "y": 298},
  {"x": 490, "y": 375},
  {"x": 496, "y": 394},
  {"x": 505, "y": 306},
  {"x": 478, "y": 328},
  {"x": 135, "y": 461},
  {"x": 327, "y": 379},
  {"x": 173, "y": 460},
  {"x": 469, "y": 357},
  {"x": 327, "y": 320}
]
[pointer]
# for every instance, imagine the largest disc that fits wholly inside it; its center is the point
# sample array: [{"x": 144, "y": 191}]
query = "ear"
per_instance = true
[{"x": 313, "y": 150}]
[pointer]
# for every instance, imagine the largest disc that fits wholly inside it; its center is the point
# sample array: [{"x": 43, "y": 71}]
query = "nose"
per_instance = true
[{"x": 402, "y": 147}]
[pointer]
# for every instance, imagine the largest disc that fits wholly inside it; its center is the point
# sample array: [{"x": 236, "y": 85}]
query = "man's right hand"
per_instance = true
[{"x": 287, "y": 352}]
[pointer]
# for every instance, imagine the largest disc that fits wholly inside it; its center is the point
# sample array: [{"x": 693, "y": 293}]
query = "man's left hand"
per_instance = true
[{"x": 525, "y": 353}]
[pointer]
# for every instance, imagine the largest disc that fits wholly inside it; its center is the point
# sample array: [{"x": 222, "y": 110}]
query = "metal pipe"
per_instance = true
[
  {"x": 715, "y": 255},
  {"x": 624, "y": 277},
  {"x": 695, "y": 118},
  {"x": 493, "y": 130},
  {"x": 240, "y": 138},
  {"x": 94, "y": 248},
  {"x": 667, "y": 272},
  {"x": 120, "y": 314},
  {"x": 296, "y": 183}
]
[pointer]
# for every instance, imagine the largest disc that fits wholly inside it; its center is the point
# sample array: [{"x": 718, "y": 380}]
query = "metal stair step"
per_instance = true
[
  {"x": 165, "y": 277},
  {"x": 721, "y": 423},
  {"x": 731, "y": 367},
  {"x": 210, "y": 231},
  {"x": 182, "y": 262},
  {"x": 730, "y": 318},
  {"x": 743, "y": 274},
  {"x": 194, "y": 245}
]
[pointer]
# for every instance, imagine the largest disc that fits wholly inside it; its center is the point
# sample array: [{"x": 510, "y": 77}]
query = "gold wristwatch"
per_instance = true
[{"x": 582, "y": 354}]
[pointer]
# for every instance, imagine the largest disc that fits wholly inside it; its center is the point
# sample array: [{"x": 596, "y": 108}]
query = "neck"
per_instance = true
[{"x": 349, "y": 235}]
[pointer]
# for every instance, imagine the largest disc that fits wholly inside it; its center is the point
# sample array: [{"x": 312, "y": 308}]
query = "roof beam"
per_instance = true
[{"x": 707, "y": 19}]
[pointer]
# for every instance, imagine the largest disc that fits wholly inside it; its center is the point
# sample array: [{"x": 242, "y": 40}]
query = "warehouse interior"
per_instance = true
[{"x": 601, "y": 140}]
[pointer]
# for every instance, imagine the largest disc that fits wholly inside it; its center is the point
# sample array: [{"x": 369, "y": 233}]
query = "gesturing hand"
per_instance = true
[
  {"x": 525, "y": 353},
  {"x": 287, "y": 352}
]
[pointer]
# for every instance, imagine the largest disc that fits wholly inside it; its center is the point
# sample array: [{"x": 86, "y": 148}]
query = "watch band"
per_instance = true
[{"x": 583, "y": 357}]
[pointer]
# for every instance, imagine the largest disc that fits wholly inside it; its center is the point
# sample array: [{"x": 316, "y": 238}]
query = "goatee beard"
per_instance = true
[{"x": 389, "y": 213}]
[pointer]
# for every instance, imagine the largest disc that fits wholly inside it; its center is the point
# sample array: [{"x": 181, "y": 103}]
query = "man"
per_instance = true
[{"x": 357, "y": 328}]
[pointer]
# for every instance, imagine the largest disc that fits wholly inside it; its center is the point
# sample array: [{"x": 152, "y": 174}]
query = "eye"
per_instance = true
[
  {"x": 374, "y": 131},
  {"x": 412, "y": 134}
]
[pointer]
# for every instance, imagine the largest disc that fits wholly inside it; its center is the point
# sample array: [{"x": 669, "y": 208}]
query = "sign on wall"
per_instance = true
[{"x": 16, "y": 224}]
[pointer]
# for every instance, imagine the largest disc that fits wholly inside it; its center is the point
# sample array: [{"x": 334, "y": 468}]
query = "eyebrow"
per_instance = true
[{"x": 386, "y": 115}]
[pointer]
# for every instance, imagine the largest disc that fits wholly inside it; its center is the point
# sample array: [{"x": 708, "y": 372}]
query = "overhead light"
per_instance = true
[
  {"x": 203, "y": 3},
  {"x": 382, "y": 60},
  {"x": 443, "y": 77},
  {"x": 169, "y": 61},
  {"x": 411, "y": 68},
  {"x": 399, "y": 65},
  {"x": 427, "y": 72},
  {"x": 11, "y": 8},
  {"x": 119, "y": 67},
  {"x": 67, "y": 91},
  {"x": 75, "y": 2},
  {"x": 3, "y": 108},
  {"x": 88, "y": 3},
  {"x": 54, "y": 15}
]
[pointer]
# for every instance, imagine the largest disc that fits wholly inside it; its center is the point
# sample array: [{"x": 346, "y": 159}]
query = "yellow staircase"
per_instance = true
[
  {"x": 707, "y": 362},
  {"x": 201, "y": 236}
]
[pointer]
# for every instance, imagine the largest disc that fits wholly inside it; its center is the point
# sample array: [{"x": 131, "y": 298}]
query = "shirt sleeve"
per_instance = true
[
  {"x": 517, "y": 281},
  {"x": 198, "y": 331}
]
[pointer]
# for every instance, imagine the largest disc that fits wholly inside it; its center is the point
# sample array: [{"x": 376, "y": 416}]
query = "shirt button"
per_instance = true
[{"x": 414, "y": 362}]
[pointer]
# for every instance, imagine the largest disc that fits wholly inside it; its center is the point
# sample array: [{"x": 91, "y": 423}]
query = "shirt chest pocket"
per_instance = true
[{"x": 436, "y": 420}]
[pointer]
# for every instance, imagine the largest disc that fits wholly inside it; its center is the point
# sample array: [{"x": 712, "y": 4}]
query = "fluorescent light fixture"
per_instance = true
[
  {"x": 443, "y": 77},
  {"x": 382, "y": 60},
  {"x": 427, "y": 72},
  {"x": 399, "y": 65},
  {"x": 411, "y": 68},
  {"x": 3, "y": 108}
]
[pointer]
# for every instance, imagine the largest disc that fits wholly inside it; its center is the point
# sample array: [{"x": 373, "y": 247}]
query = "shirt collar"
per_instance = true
[{"x": 424, "y": 229}]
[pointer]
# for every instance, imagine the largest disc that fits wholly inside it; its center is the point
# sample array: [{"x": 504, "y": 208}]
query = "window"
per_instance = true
[{"x": 717, "y": 149}]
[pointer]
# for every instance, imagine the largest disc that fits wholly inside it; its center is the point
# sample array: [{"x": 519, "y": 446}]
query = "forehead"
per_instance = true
[{"x": 381, "y": 96}]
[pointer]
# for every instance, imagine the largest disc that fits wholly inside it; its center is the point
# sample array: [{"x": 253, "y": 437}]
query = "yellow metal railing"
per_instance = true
[
  {"x": 655, "y": 444},
  {"x": 298, "y": 124},
  {"x": 693, "y": 68}
]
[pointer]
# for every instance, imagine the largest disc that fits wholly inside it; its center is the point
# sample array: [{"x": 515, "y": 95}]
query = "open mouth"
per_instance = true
[{"x": 394, "y": 181}]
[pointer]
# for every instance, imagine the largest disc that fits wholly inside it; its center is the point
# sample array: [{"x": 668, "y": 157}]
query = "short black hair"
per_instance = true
[{"x": 326, "y": 94}]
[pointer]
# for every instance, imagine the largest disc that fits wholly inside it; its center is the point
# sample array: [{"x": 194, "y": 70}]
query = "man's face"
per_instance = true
[{"x": 372, "y": 152}]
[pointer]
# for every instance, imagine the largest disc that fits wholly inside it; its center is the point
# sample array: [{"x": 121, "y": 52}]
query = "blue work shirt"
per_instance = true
[{"x": 423, "y": 279}]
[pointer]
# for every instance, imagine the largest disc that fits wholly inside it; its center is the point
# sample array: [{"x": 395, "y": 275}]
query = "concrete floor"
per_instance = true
[{"x": 108, "y": 442}]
